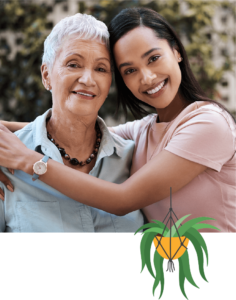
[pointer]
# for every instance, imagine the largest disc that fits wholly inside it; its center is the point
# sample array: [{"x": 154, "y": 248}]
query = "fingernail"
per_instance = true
[
  {"x": 10, "y": 188},
  {"x": 1, "y": 197}
]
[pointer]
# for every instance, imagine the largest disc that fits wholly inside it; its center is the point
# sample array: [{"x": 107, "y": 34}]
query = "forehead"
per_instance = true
[
  {"x": 138, "y": 41},
  {"x": 84, "y": 47}
]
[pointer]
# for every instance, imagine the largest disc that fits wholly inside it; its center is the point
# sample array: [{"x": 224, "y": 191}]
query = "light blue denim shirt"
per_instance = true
[{"x": 36, "y": 207}]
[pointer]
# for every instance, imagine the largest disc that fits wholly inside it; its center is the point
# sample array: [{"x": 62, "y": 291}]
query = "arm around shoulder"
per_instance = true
[{"x": 14, "y": 126}]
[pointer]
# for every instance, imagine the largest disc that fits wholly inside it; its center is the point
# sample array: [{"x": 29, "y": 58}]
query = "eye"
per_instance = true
[
  {"x": 154, "y": 58},
  {"x": 129, "y": 71},
  {"x": 101, "y": 70},
  {"x": 73, "y": 65}
]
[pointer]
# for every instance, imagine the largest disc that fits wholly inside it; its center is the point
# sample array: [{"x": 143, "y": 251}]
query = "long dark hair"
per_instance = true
[{"x": 131, "y": 18}]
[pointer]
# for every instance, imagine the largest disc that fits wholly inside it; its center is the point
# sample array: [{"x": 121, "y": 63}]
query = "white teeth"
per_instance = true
[
  {"x": 157, "y": 88},
  {"x": 84, "y": 94}
]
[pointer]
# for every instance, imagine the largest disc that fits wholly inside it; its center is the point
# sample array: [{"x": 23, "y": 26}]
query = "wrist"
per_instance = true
[{"x": 30, "y": 158}]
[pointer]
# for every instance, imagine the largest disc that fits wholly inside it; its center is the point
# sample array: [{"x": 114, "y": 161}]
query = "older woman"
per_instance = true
[{"x": 76, "y": 69}]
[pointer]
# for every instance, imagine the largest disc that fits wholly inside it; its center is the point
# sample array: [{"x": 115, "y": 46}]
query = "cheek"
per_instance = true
[
  {"x": 176, "y": 76},
  {"x": 105, "y": 84}
]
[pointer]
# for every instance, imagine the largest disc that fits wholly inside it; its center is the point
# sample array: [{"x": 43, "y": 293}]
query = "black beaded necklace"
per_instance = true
[{"x": 74, "y": 161}]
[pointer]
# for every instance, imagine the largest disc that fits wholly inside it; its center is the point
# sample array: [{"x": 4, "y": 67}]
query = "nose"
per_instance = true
[
  {"x": 86, "y": 78},
  {"x": 147, "y": 76}
]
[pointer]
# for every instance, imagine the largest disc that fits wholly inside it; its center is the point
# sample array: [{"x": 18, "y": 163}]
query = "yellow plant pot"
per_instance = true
[{"x": 175, "y": 244}]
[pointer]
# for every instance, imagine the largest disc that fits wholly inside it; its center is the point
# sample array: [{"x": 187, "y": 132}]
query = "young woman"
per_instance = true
[{"x": 188, "y": 145}]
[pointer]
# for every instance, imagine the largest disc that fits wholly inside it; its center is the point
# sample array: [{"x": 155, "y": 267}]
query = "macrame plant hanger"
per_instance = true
[{"x": 170, "y": 264}]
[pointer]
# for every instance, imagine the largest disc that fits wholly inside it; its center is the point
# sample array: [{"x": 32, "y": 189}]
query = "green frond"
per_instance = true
[
  {"x": 160, "y": 224},
  {"x": 186, "y": 268},
  {"x": 177, "y": 224},
  {"x": 145, "y": 249},
  {"x": 200, "y": 240},
  {"x": 150, "y": 225},
  {"x": 156, "y": 230},
  {"x": 190, "y": 223},
  {"x": 182, "y": 278},
  {"x": 158, "y": 265},
  {"x": 204, "y": 225},
  {"x": 199, "y": 252}
]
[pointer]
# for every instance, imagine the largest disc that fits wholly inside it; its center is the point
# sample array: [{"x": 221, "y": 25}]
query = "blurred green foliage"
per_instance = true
[{"x": 23, "y": 96}]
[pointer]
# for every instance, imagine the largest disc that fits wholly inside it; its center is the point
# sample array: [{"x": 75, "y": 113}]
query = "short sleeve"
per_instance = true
[
  {"x": 126, "y": 131},
  {"x": 130, "y": 130},
  {"x": 205, "y": 138}
]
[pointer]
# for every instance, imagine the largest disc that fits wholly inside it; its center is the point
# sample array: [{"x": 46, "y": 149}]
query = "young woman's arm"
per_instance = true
[
  {"x": 206, "y": 138},
  {"x": 14, "y": 126},
  {"x": 149, "y": 185}
]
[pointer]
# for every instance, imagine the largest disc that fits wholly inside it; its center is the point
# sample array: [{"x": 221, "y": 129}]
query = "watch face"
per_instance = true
[{"x": 40, "y": 168}]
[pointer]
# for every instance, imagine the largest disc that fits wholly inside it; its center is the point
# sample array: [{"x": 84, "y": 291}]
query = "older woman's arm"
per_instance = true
[{"x": 13, "y": 126}]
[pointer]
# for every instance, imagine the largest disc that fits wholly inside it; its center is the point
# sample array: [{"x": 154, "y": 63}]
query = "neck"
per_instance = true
[
  {"x": 170, "y": 112},
  {"x": 77, "y": 135}
]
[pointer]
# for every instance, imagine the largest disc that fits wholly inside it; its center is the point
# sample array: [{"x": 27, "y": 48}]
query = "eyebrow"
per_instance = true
[
  {"x": 143, "y": 56},
  {"x": 81, "y": 56}
]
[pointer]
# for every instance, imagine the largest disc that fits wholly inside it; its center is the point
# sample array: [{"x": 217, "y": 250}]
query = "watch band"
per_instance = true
[{"x": 36, "y": 176}]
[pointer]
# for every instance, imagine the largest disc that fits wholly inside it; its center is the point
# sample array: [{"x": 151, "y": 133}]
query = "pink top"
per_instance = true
[{"x": 202, "y": 133}]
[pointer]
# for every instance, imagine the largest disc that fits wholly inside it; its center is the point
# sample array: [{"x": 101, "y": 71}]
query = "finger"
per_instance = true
[
  {"x": 11, "y": 171},
  {"x": 4, "y": 128},
  {"x": 6, "y": 181},
  {"x": 1, "y": 194}
]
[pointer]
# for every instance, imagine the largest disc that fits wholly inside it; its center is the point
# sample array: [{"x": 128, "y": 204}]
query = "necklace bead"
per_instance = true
[{"x": 75, "y": 161}]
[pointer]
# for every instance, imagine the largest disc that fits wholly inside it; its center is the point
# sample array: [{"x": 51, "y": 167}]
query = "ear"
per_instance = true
[
  {"x": 45, "y": 77},
  {"x": 177, "y": 55}
]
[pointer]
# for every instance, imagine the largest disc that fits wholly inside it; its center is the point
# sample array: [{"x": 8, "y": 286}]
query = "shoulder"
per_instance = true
[
  {"x": 25, "y": 131},
  {"x": 120, "y": 142},
  {"x": 144, "y": 122},
  {"x": 211, "y": 116},
  {"x": 110, "y": 139},
  {"x": 137, "y": 126},
  {"x": 26, "y": 135}
]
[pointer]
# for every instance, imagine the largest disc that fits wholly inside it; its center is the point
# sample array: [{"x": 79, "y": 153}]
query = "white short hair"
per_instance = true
[{"x": 82, "y": 26}]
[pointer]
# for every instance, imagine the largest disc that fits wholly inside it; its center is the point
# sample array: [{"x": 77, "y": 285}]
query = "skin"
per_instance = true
[
  {"x": 79, "y": 65},
  {"x": 152, "y": 182}
]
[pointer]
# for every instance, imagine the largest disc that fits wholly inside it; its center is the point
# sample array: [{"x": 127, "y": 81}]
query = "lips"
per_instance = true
[
  {"x": 84, "y": 93},
  {"x": 155, "y": 88}
]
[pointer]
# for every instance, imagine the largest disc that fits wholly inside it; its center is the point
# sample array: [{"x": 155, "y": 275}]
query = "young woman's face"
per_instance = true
[{"x": 148, "y": 66}]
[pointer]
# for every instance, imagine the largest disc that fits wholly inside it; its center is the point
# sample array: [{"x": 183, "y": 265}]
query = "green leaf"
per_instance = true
[
  {"x": 149, "y": 225},
  {"x": 173, "y": 229},
  {"x": 186, "y": 267},
  {"x": 161, "y": 225},
  {"x": 199, "y": 252},
  {"x": 204, "y": 225},
  {"x": 158, "y": 264},
  {"x": 182, "y": 278},
  {"x": 156, "y": 230},
  {"x": 200, "y": 240},
  {"x": 190, "y": 223},
  {"x": 145, "y": 249}
]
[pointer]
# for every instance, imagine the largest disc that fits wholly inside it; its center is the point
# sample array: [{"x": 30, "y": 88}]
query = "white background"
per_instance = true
[{"x": 105, "y": 266}]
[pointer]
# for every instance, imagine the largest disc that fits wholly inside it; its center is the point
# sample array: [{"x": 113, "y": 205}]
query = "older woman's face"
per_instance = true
[{"x": 80, "y": 77}]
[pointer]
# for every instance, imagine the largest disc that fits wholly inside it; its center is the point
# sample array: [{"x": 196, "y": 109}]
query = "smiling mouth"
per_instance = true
[
  {"x": 84, "y": 94},
  {"x": 157, "y": 88}
]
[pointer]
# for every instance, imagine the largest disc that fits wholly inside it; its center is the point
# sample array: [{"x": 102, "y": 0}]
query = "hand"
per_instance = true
[
  {"x": 13, "y": 153},
  {"x": 5, "y": 180}
]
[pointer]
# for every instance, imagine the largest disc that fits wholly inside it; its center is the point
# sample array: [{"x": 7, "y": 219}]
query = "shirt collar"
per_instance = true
[{"x": 108, "y": 145}]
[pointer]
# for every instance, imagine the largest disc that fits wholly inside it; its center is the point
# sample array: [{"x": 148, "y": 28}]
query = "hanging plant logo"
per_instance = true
[{"x": 171, "y": 244}]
